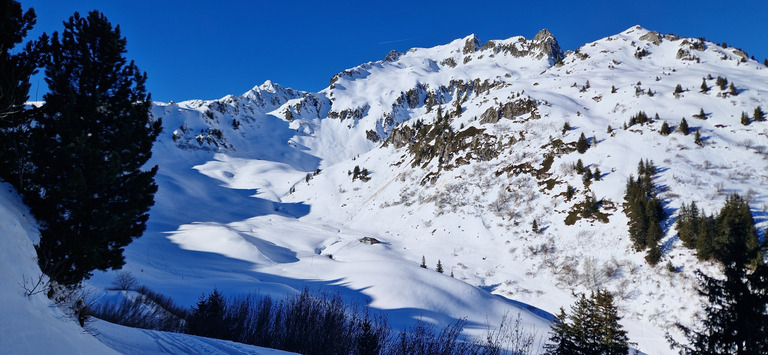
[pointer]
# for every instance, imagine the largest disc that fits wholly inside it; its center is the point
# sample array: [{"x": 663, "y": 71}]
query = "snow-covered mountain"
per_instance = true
[{"x": 464, "y": 147}]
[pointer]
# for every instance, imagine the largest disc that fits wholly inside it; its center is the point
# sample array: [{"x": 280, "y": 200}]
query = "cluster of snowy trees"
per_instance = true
[
  {"x": 78, "y": 158},
  {"x": 735, "y": 319},
  {"x": 645, "y": 212}
]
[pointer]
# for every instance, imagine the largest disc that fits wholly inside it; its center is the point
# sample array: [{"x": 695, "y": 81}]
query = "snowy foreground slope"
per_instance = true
[
  {"x": 256, "y": 192},
  {"x": 34, "y": 325}
]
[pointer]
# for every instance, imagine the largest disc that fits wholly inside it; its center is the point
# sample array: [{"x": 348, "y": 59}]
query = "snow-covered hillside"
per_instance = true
[
  {"x": 33, "y": 324},
  {"x": 460, "y": 148}
]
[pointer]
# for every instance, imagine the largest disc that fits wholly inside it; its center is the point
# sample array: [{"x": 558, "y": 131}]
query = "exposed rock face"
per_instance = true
[
  {"x": 471, "y": 45},
  {"x": 491, "y": 115},
  {"x": 652, "y": 37},
  {"x": 545, "y": 42},
  {"x": 356, "y": 113},
  {"x": 401, "y": 137},
  {"x": 372, "y": 136},
  {"x": 393, "y": 55}
]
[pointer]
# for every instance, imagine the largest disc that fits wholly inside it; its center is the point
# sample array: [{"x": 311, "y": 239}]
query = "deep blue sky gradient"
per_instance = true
[{"x": 209, "y": 49}]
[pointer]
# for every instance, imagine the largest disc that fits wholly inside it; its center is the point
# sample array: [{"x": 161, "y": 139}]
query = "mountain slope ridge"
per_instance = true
[{"x": 272, "y": 169}]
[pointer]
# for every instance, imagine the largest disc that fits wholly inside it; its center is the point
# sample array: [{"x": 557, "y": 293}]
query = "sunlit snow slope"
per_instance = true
[{"x": 257, "y": 191}]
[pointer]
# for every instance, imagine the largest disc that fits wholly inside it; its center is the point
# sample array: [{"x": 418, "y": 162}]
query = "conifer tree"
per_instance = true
[
  {"x": 736, "y": 315},
  {"x": 93, "y": 136},
  {"x": 721, "y": 82},
  {"x": 684, "y": 127},
  {"x": 678, "y": 90},
  {"x": 592, "y": 328},
  {"x": 687, "y": 224},
  {"x": 701, "y": 115},
  {"x": 665, "y": 129},
  {"x": 17, "y": 65},
  {"x": 697, "y": 138},
  {"x": 535, "y": 227},
  {"x": 704, "y": 87},
  {"x": 582, "y": 145},
  {"x": 423, "y": 262},
  {"x": 736, "y": 239},
  {"x": 732, "y": 90},
  {"x": 439, "y": 267},
  {"x": 208, "y": 317},
  {"x": 744, "y": 119},
  {"x": 644, "y": 209},
  {"x": 759, "y": 115},
  {"x": 596, "y": 174}
]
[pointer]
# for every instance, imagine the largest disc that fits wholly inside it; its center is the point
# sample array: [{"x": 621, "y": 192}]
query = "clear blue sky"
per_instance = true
[{"x": 208, "y": 49}]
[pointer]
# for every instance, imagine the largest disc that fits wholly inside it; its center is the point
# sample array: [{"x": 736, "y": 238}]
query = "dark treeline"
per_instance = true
[{"x": 310, "y": 323}]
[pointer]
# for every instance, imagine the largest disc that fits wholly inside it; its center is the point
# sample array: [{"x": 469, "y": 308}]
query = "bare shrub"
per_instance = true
[
  {"x": 124, "y": 281},
  {"x": 33, "y": 285}
]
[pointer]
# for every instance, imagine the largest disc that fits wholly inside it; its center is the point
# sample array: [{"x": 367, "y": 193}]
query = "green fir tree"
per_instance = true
[{"x": 93, "y": 136}]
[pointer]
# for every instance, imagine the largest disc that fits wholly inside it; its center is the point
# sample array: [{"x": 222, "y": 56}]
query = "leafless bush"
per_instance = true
[
  {"x": 512, "y": 337},
  {"x": 124, "y": 281},
  {"x": 719, "y": 187},
  {"x": 33, "y": 285},
  {"x": 749, "y": 197}
]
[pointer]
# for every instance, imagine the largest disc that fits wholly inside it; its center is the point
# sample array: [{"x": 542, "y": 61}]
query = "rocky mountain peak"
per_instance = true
[{"x": 545, "y": 42}]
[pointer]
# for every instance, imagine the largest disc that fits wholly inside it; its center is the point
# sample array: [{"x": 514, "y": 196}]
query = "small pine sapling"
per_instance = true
[
  {"x": 759, "y": 115},
  {"x": 701, "y": 115},
  {"x": 684, "y": 127},
  {"x": 582, "y": 145},
  {"x": 704, "y": 87},
  {"x": 665, "y": 129},
  {"x": 423, "y": 262},
  {"x": 439, "y": 267},
  {"x": 744, "y": 119}
]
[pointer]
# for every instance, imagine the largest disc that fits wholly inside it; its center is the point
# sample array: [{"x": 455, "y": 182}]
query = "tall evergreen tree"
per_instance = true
[
  {"x": 592, "y": 328},
  {"x": 736, "y": 239},
  {"x": 644, "y": 209},
  {"x": 736, "y": 315},
  {"x": 687, "y": 224},
  {"x": 16, "y": 67},
  {"x": 208, "y": 317},
  {"x": 93, "y": 136}
]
